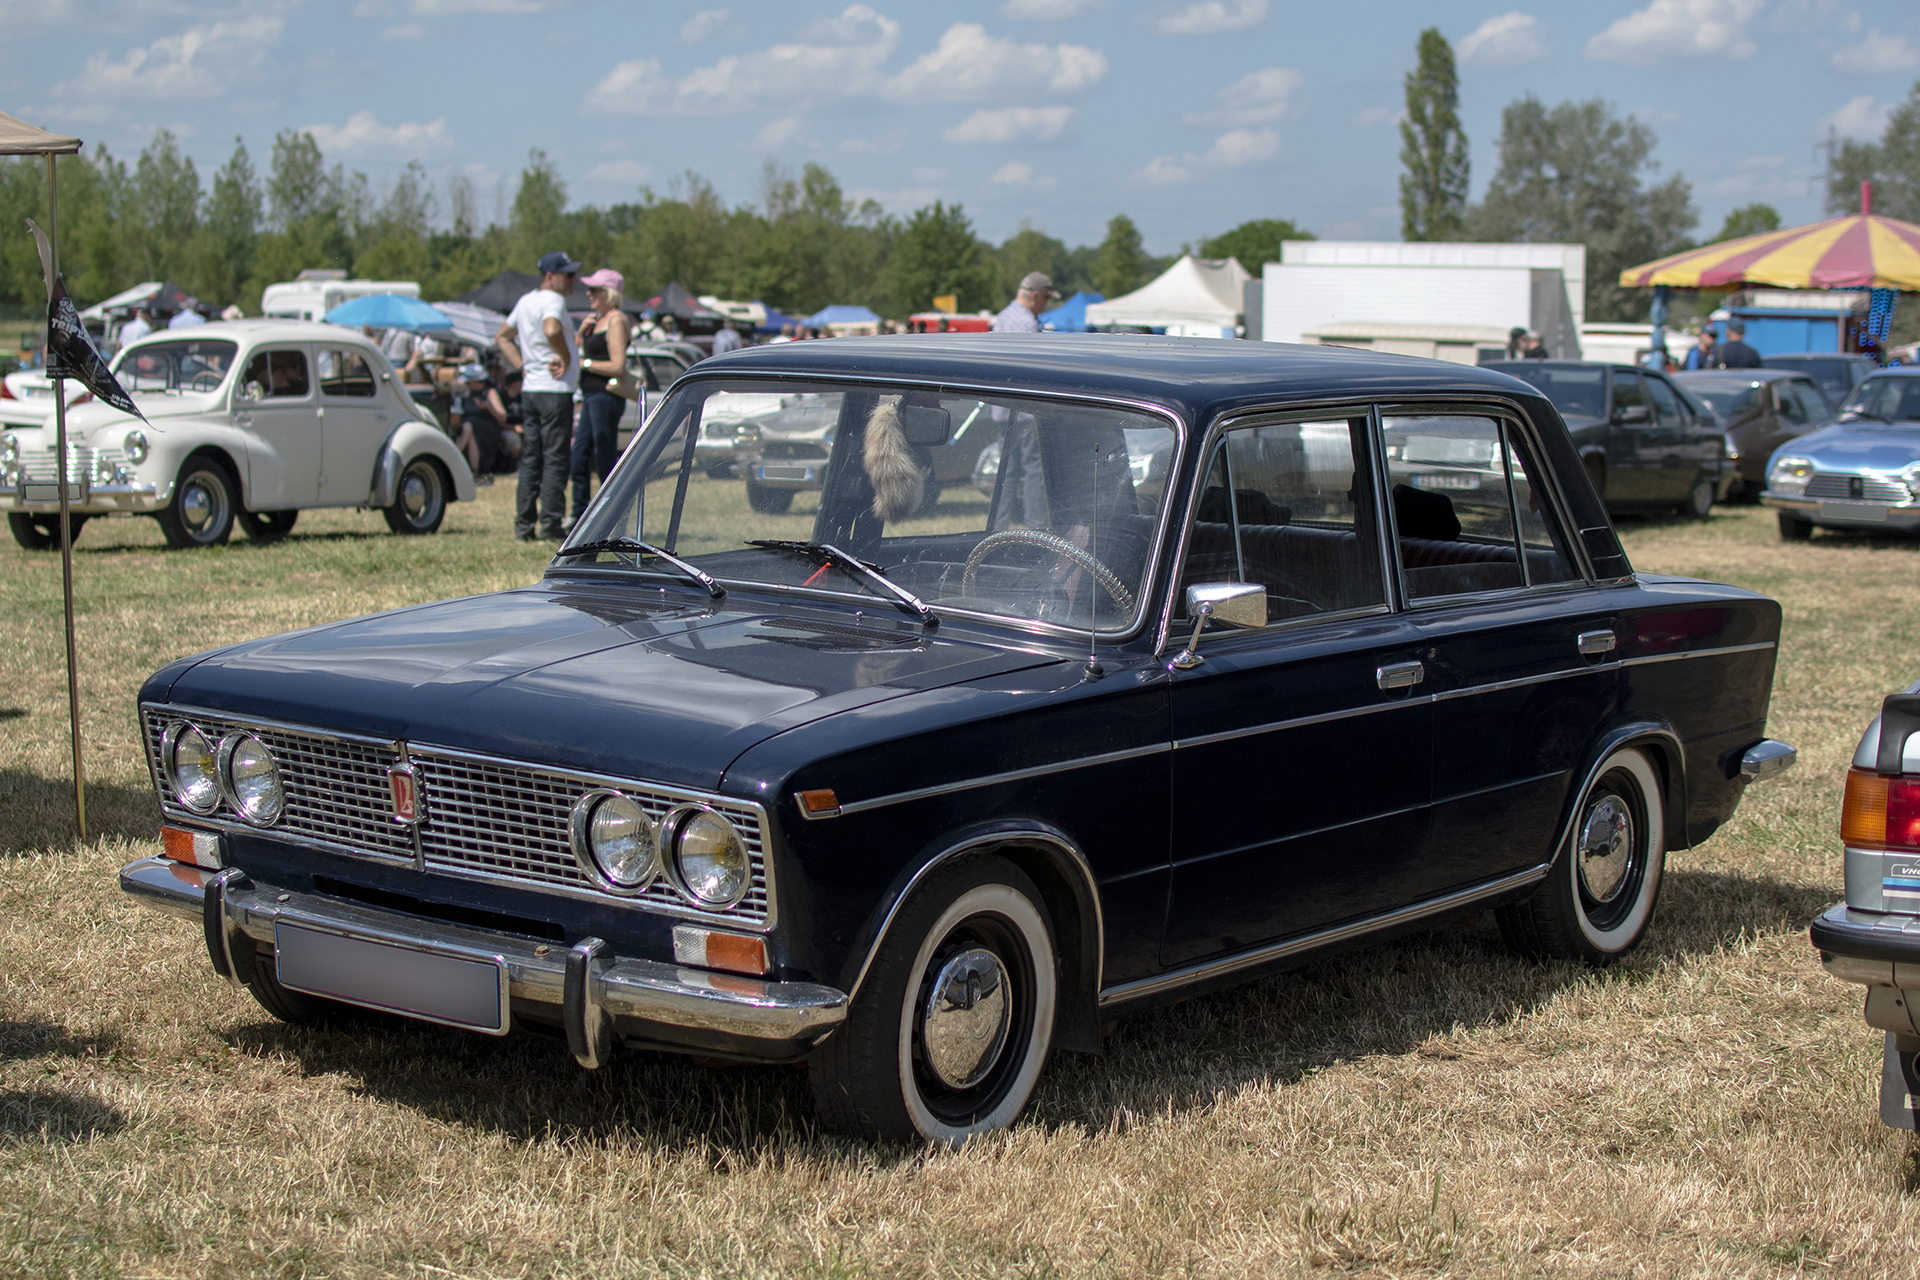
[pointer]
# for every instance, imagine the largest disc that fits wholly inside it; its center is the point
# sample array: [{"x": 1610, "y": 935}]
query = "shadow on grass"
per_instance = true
[
  {"x": 1390, "y": 999},
  {"x": 40, "y": 812},
  {"x": 37, "y": 1038},
  {"x": 46, "y": 1116}
]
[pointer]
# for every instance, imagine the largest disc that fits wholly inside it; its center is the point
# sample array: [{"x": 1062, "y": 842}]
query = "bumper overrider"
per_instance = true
[{"x": 480, "y": 980}]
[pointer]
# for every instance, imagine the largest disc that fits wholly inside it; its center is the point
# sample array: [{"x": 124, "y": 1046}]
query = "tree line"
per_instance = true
[{"x": 802, "y": 246}]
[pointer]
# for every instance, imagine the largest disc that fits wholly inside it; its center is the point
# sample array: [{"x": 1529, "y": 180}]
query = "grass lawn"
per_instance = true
[{"x": 1433, "y": 1106}]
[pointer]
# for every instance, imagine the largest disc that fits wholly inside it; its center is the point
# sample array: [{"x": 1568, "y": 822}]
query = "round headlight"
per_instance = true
[
  {"x": 136, "y": 446},
  {"x": 614, "y": 841},
  {"x": 252, "y": 779},
  {"x": 9, "y": 448},
  {"x": 710, "y": 859},
  {"x": 1789, "y": 474},
  {"x": 188, "y": 759}
]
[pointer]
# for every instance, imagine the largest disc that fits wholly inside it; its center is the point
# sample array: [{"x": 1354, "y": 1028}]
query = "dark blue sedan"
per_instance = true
[{"x": 1246, "y": 654}]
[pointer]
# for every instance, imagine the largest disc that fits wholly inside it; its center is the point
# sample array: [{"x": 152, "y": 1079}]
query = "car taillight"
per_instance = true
[
  {"x": 1880, "y": 812},
  {"x": 6, "y": 392}
]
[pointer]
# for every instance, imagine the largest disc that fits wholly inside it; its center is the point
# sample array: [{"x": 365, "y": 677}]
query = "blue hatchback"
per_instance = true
[{"x": 1862, "y": 472}]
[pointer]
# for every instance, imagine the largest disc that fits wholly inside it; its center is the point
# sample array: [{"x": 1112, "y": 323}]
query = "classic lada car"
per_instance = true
[
  {"x": 1860, "y": 472},
  {"x": 919, "y": 797},
  {"x": 248, "y": 421}
]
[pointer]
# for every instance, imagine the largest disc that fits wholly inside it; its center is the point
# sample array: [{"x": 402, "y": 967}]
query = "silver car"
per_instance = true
[{"x": 1863, "y": 472}]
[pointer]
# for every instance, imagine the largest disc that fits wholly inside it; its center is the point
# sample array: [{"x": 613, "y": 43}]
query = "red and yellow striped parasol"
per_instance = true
[{"x": 1857, "y": 252}]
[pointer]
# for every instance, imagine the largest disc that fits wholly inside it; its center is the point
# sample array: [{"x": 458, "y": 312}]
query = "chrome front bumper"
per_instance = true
[
  {"x": 82, "y": 499},
  {"x": 596, "y": 995},
  {"x": 1848, "y": 513}
]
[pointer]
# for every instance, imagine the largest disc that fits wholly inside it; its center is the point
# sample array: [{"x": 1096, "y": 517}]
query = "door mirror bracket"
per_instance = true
[{"x": 1238, "y": 604}]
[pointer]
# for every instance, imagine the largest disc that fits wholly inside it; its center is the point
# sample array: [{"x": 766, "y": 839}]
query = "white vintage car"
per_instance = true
[{"x": 251, "y": 420}]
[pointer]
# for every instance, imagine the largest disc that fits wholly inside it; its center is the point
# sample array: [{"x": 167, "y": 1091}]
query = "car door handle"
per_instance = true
[
  {"x": 1401, "y": 675},
  {"x": 1592, "y": 642}
]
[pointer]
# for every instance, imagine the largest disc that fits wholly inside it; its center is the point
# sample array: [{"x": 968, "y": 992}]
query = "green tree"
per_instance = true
[
  {"x": 1892, "y": 165},
  {"x": 1122, "y": 264},
  {"x": 538, "y": 223},
  {"x": 163, "y": 209},
  {"x": 1031, "y": 249},
  {"x": 1433, "y": 146},
  {"x": 1749, "y": 220},
  {"x": 1254, "y": 243},
  {"x": 1573, "y": 174},
  {"x": 298, "y": 185},
  {"x": 938, "y": 253},
  {"x": 222, "y": 254}
]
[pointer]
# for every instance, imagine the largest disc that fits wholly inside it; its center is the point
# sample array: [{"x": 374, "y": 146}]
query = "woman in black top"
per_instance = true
[{"x": 603, "y": 358}]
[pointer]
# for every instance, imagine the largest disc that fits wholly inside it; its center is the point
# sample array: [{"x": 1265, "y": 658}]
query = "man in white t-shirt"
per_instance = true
[{"x": 538, "y": 339}]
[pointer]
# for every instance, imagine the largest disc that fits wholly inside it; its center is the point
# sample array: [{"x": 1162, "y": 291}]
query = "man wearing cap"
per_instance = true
[
  {"x": 1022, "y": 315},
  {"x": 537, "y": 339},
  {"x": 1734, "y": 353}
]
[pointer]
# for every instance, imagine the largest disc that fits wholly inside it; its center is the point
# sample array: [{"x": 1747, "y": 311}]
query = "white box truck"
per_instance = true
[{"x": 310, "y": 299}]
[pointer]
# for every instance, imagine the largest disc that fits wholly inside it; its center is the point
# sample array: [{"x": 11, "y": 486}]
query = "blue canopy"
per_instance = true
[
  {"x": 775, "y": 322},
  {"x": 1071, "y": 315},
  {"x": 842, "y": 315},
  {"x": 390, "y": 311}
]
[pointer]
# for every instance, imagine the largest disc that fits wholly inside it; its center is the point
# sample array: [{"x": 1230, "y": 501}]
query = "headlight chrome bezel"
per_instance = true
[
  {"x": 581, "y": 822},
  {"x": 170, "y": 740},
  {"x": 676, "y": 825},
  {"x": 136, "y": 446},
  {"x": 1789, "y": 473},
  {"x": 248, "y": 807}
]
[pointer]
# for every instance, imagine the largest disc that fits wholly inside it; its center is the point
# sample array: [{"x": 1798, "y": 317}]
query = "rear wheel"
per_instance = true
[
  {"x": 772, "y": 502},
  {"x": 42, "y": 533},
  {"x": 1793, "y": 528},
  {"x": 419, "y": 499},
  {"x": 268, "y": 526},
  {"x": 1699, "y": 503},
  {"x": 948, "y": 1034},
  {"x": 201, "y": 513}
]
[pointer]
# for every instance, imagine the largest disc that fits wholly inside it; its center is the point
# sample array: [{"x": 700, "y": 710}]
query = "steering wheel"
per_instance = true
[
  {"x": 207, "y": 376},
  {"x": 1109, "y": 580}
]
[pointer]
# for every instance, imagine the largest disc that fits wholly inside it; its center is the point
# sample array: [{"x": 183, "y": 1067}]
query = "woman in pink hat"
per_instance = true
[{"x": 603, "y": 358}]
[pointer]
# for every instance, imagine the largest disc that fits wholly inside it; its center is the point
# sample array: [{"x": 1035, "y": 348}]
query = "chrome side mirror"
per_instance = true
[
  {"x": 252, "y": 391},
  {"x": 1238, "y": 604}
]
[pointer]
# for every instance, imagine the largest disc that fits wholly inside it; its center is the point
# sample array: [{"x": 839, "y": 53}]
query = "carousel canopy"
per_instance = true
[{"x": 1858, "y": 252}]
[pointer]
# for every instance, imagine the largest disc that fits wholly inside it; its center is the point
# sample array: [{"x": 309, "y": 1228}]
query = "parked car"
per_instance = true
[
  {"x": 1644, "y": 446},
  {"x": 1873, "y": 937},
  {"x": 1838, "y": 373},
  {"x": 656, "y": 368},
  {"x": 26, "y": 398},
  {"x": 1860, "y": 472},
  {"x": 1760, "y": 409},
  {"x": 250, "y": 421},
  {"x": 918, "y": 799}
]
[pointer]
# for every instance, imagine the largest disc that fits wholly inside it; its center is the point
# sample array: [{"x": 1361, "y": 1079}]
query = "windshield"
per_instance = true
[
  {"x": 1729, "y": 398},
  {"x": 1885, "y": 399},
  {"x": 198, "y": 364},
  {"x": 998, "y": 504},
  {"x": 1576, "y": 393}
]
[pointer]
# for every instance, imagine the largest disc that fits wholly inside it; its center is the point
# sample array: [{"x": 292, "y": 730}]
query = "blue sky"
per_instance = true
[{"x": 1189, "y": 115}]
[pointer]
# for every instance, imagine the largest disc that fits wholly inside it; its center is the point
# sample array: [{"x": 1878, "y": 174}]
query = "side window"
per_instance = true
[
  {"x": 1629, "y": 401},
  {"x": 281, "y": 374},
  {"x": 1667, "y": 410},
  {"x": 1298, "y": 520},
  {"x": 343, "y": 373},
  {"x": 661, "y": 374},
  {"x": 1811, "y": 404},
  {"x": 1549, "y": 558}
]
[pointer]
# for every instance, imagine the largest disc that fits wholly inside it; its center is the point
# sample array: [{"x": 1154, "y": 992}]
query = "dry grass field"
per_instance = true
[{"x": 1430, "y": 1107}]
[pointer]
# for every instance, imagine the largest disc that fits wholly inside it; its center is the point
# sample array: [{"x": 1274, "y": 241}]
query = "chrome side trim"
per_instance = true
[
  {"x": 994, "y": 779},
  {"x": 1698, "y": 653},
  {"x": 1162, "y": 982},
  {"x": 1228, "y": 735},
  {"x": 1521, "y": 682}
]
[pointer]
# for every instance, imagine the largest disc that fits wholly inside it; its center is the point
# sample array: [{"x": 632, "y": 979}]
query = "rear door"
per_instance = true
[
  {"x": 355, "y": 422},
  {"x": 1686, "y": 452},
  {"x": 275, "y": 405},
  {"x": 1633, "y": 459}
]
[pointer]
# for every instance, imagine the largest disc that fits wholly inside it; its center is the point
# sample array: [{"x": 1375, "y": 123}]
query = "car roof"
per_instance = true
[
  {"x": 1798, "y": 356},
  {"x": 1739, "y": 375},
  {"x": 264, "y": 327},
  {"x": 1198, "y": 377},
  {"x": 1566, "y": 364},
  {"x": 1897, "y": 371}
]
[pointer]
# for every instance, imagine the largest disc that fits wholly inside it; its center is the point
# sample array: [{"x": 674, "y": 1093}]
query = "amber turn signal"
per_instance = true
[
  {"x": 195, "y": 848},
  {"x": 711, "y": 949},
  {"x": 818, "y": 804},
  {"x": 1880, "y": 812}
]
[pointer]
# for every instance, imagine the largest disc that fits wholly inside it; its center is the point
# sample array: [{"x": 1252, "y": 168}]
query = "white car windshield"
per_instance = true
[
  {"x": 199, "y": 364},
  {"x": 931, "y": 501},
  {"x": 1884, "y": 399}
]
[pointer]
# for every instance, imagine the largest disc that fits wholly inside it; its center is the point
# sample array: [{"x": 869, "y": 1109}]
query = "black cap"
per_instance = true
[{"x": 558, "y": 263}]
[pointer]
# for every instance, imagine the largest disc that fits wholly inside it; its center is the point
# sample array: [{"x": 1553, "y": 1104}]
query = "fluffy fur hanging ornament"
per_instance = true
[{"x": 898, "y": 483}]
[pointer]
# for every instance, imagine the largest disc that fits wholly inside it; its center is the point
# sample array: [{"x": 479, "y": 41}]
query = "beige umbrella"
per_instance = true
[{"x": 18, "y": 138}]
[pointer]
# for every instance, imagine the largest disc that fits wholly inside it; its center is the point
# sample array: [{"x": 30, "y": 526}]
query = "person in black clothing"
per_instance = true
[
  {"x": 603, "y": 358},
  {"x": 1734, "y": 353}
]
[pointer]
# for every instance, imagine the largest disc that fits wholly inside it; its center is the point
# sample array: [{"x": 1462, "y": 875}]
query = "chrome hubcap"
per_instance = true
[
  {"x": 964, "y": 1025},
  {"x": 196, "y": 505},
  {"x": 1606, "y": 848},
  {"x": 413, "y": 494}
]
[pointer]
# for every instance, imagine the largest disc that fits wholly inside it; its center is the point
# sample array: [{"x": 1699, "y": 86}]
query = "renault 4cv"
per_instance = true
[{"x": 1250, "y": 653}]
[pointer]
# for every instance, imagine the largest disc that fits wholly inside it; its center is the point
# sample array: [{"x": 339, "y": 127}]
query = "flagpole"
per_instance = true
[{"x": 66, "y": 525}]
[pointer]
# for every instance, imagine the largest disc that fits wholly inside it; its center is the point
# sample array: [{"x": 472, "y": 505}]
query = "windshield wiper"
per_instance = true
[
  {"x": 827, "y": 553},
  {"x": 635, "y": 547}
]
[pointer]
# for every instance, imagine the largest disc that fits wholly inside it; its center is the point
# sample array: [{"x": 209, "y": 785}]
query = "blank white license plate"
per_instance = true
[
  {"x": 420, "y": 984},
  {"x": 786, "y": 473},
  {"x": 1875, "y": 512},
  {"x": 51, "y": 493}
]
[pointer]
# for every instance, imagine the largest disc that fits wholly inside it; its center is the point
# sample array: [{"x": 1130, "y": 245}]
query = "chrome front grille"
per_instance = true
[
  {"x": 1872, "y": 488},
  {"x": 484, "y": 818}
]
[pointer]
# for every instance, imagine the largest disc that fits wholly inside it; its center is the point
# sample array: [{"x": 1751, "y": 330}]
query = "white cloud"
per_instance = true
[
  {"x": 904, "y": 200},
  {"x": 1049, "y": 10},
  {"x": 1233, "y": 149},
  {"x": 406, "y": 31},
  {"x": 775, "y": 132},
  {"x": 1506, "y": 40},
  {"x": 841, "y": 57},
  {"x": 363, "y": 133},
  {"x": 1672, "y": 29},
  {"x": 1816, "y": 17},
  {"x": 1018, "y": 173},
  {"x": 1373, "y": 117},
  {"x": 1860, "y": 118},
  {"x": 969, "y": 65},
  {"x": 1211, "y": 17},
  {"x": 1011, "y": 124},
  {"x": 1165, "y": 171},
  {"x": 707, "y": 24},
  {"x": 459, "y": 8},
  {"x": 198, "y": 63},
  {"x": 619, "y": 171},
  {"x": 1255, "y": 98},
  {"x": 1876, "y": 55}
]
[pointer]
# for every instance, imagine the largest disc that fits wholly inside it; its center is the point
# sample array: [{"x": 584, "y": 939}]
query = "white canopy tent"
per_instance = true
[{"x": 1194, "y": 298}]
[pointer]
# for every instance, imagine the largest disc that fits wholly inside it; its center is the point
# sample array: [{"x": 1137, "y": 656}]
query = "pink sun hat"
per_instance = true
[{"x": 606, "y": 278}]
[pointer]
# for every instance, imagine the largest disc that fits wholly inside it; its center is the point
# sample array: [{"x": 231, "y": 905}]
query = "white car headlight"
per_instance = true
[
  {"x": 136, "y": 446},
  {"x": 252, "y": 779},
  {"x": 1789, "y": 474},
  {"x": 710, "y": 859},
  {"x": 614, "y": 841},
  {"x": 187, "y": 759},
  {"x": 9, "y": 449}
]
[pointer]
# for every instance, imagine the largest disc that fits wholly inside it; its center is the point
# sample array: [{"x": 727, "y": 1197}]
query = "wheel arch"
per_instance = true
[
  {"x": 407, "y": 441},
  {"x": 1064, "y": 877},
  {"x": 1662, "y": 745},
  {"x": 236, "y": 470}
]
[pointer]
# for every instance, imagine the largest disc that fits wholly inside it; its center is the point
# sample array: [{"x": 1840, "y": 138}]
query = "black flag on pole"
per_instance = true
[{"x": 70, "y": 352}]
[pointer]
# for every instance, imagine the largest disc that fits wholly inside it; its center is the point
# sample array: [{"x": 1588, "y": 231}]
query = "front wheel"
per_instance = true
[
  {"x": 1793, "y": 528},
  {"x": 42, "y": 533},
  {"x": 1598, "y": 897},
  {"x": 771, "y": 502},
  {"x": 948, "y": 1034},
  {"x": 420, "y": 499},
  {"x": 1699, "y": 503},
  {"x": 201, "y": 513}
]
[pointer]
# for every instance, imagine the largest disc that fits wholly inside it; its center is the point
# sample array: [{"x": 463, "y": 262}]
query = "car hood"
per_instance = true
[
  {"x": 1859, "y": 446},
  {"x": 84, "y": 420},
  {"x": 604, "y": 678}
]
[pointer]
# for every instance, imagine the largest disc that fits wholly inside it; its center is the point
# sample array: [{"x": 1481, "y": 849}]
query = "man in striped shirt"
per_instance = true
[{"x": 1022, "y": 315}]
